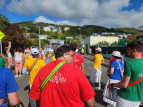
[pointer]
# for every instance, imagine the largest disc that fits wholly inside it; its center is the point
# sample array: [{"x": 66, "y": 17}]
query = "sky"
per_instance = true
[{"x": 107, "y": 13}]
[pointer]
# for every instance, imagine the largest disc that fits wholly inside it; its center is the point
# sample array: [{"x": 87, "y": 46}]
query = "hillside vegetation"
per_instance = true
[{"x": 84, "y": 30}]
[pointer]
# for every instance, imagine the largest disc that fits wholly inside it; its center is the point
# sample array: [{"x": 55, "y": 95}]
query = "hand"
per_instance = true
[
  {"x": 110, "y": 86},
  {"x": 9, "y": 42}
]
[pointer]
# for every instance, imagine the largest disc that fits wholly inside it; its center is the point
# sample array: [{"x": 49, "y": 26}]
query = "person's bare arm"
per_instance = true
[
  {"x": 123, "y": 84},
  {"x": 102, "y": 61},
  {"x": 91, "y": 102},
  {"x": 13, "y": 98},
  {"x": 82, "y": 67},
  {"x": 111, "y": 71},
  {"x": 108, "y": 67},
  {"x": 9, "y": 46}
]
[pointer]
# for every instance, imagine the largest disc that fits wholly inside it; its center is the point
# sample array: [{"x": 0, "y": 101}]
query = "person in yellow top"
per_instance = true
[
  {"x": 82, "y": 51},
  {"x": 96, "y": 71},
  {"x": 33, "y": 65}
]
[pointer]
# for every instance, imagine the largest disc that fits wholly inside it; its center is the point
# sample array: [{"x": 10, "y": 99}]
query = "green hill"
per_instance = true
[{"x": 84, "y": 30}]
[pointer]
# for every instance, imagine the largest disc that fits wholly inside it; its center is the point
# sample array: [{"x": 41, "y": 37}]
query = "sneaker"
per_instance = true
[
  {"x": 16, "y": 76},
  {"x": 20, "y": 75}
]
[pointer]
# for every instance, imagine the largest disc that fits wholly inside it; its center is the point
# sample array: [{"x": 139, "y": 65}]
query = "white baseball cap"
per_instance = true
[
  {"x": 51, "y": 51},
  {"x": 34, "y": 51},
  {"x": 98, "y": 49}
]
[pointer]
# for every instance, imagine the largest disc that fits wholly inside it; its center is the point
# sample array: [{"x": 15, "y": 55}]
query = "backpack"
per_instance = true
[{"x": 48, "y": 60}]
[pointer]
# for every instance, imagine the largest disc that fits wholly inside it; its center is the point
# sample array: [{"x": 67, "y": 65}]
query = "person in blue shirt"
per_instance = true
[
  {"x": 8, "y": 88},
  {"x": 115, "y": 76}
]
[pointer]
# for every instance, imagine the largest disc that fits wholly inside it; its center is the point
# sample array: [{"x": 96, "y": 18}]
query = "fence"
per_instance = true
[{"x": 109, "y": 50}]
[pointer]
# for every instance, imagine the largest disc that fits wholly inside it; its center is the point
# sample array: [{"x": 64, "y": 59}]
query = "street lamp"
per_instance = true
[{"x": 39, "y": 38}]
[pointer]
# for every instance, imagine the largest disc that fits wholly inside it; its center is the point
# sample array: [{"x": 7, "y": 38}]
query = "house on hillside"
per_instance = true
[
  {"x": 43, "y": 36},
  {"x": 56, "y": 30},
  {"x": 66, "y": 28},
  {"x": 56, "y": 42},
  {"x": 96, "y": 34},
  {"x": 48, "y": 28}
]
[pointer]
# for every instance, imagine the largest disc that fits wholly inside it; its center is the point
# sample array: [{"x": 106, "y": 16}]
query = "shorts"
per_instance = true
[
  {"x": 10, "y": 62},
  {"x": 95, "y": 75},
  {"x": 18, "y": 65},
  {"x": 120, "y": 102}
]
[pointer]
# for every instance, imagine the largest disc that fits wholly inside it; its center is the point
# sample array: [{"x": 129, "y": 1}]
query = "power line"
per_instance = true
[
  {"x": 23, "y": 9},
  {"x": 17, "y": 10},
  {"x": 12, "y": 12}
]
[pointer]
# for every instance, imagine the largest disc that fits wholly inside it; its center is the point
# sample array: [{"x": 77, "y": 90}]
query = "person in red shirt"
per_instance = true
[
  {"x": 68, "y": 87},
  {"x": 77, "y": 59},
  {"x": 110, "y": 61}
]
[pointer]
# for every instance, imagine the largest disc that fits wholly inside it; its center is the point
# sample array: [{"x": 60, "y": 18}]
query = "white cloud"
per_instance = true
[
  {"x": 2, "y": 2},
  {"x": 81, "y": 12},
  {"x": 45, "y": 20}
]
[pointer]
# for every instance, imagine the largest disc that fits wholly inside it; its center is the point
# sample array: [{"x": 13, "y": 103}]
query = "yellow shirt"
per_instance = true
[
  {"x": 53, "y": 57},
  {"x": 97, "y": 61},
  {"x": 29, "y": 56},
  {"x": 40, "y": 63}
]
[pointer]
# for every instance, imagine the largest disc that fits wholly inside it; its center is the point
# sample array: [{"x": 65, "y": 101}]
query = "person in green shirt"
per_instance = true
[
  {"x": 1, "y": 60},
  {"x": 131, "y": 86}
]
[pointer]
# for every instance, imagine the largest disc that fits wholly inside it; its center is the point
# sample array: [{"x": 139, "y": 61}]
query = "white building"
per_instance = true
[
  {"x": 56, "y": 30},
  {"x": 48, "y": 28},
  {"x": 43, "y": 36},
  {"x": 56, "y": 42},
  {"x": 66, "y": 28},
  {"x": 92, "y": 40}
]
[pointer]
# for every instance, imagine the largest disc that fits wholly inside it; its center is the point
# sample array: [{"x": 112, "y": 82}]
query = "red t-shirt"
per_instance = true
[
  {"x": 142, "y": 54},
  {"x": 111, "y": 59},
  {"x": 77, "y": 60},
  {"x": 69, "y": 87}
]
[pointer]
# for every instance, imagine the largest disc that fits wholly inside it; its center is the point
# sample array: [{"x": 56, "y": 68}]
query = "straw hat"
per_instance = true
[
  {"x": 98, "y": 49},
  {"x": 116, "y": 53}
]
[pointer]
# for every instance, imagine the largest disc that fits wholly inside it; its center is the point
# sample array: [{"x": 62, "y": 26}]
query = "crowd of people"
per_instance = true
[{"x": 57, "y": 78}]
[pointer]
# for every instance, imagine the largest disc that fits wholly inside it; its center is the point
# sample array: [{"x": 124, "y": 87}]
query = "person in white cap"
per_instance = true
[
  {"x": 50, "y": 57},
  {"x": 115, "y": 75},
  {"x": 33, "y": 65},
  {"x": 96, "y": 71}
]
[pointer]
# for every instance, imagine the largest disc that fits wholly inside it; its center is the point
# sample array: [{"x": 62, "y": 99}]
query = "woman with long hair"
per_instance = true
[
  {"x": 18, "y": 56},
  {"x": 10, "y": 62}
]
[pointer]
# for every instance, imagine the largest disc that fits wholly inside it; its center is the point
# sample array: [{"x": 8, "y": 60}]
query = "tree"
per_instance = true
[
  {"x": 33, "y": 35},
  {"x": 14, "y": 34},
  {"x": 4, "y": 23},
  {"x": 33, "y": 29},
  {"x": 29, "y": 43}
]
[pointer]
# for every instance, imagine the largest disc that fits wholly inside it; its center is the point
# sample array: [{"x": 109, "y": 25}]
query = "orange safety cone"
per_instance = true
[{"x": 84, "y": 54}]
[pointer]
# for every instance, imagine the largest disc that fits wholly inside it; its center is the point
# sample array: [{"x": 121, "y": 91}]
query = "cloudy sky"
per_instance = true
[{"x": 107, "y": 13}]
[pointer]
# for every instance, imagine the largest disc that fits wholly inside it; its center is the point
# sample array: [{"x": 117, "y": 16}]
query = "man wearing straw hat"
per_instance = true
[
  {"x": 115, "y": 76},
  {"x": 96, "y": 71},
  {"x": 131, "y": 92}
]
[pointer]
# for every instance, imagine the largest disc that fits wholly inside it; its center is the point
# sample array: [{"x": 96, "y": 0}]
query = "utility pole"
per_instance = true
[{"x": 39, "y": 37}]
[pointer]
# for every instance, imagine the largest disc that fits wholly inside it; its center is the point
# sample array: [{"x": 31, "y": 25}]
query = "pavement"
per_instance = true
[{"x": 88, "y": 62}]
